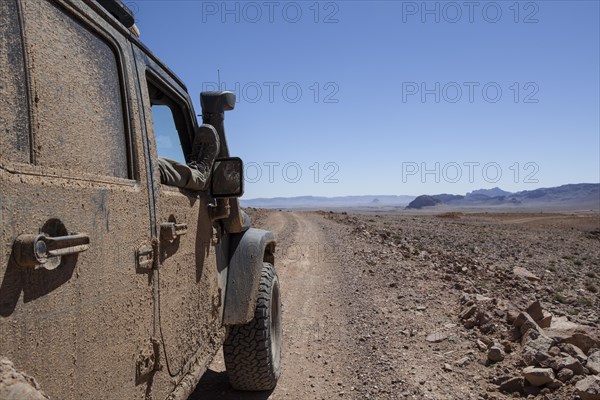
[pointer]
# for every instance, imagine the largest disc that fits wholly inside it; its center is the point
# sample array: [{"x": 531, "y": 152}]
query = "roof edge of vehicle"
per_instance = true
[{"x": 118, "y": 22}]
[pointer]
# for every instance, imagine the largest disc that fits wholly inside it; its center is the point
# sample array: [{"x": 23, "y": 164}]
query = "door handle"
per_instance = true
[
  {"x": 46, "y": 251},
  {"x": 171, "y": 231}
]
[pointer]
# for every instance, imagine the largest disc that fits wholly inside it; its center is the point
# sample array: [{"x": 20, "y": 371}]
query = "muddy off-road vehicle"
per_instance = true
[{"x": 114, "y": 285}]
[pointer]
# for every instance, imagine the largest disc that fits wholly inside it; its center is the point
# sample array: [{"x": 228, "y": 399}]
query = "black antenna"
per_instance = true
[{"x": 219, "y": 77}]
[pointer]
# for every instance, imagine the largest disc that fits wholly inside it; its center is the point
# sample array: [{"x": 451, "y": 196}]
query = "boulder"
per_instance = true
[
  {"x": 496, "y": 354},
  {"x": 512, "y": 385},
  {"x": 593, "y": 362},
  {"x": 538, "y": 376},
  {"x": 535, "y": 348},
  {"x": 574, "y": 351},
  {"x": 535, "y": 311},
  {"x": 564, "y": 331},
  {"x": 564, "y": 374},
  {"x": 582, "y": 340},
  {"x": 569, "y": 362},
  {"x": 524, "y": 322},
  {"x": 539, "y": 315},
  {"x": 546, "y": 321},
  {"x": 588, "y": 388}
]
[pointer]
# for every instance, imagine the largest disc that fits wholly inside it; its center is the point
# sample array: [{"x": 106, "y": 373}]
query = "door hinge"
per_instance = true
[
  {"x": 145, "y": 257},
  {"x": 148, "y": 360}
]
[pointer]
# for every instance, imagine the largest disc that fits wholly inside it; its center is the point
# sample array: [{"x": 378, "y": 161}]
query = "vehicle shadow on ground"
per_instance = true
[{"x": 214, "y": 385}]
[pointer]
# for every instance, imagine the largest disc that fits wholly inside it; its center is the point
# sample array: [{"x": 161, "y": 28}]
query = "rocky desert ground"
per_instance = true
[{"x": 434, "y": 306}]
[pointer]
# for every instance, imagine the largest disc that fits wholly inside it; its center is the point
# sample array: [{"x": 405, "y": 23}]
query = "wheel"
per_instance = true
[{"x": 252, "y": 351}]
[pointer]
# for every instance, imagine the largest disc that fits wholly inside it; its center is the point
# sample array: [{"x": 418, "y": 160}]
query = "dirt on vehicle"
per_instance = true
[
  {"x": 122, "y": 271},
  {"x": 393, "y": 306}
]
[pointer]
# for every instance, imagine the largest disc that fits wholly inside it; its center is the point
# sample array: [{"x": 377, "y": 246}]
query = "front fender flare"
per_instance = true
[{"x": 248, "y": 251}]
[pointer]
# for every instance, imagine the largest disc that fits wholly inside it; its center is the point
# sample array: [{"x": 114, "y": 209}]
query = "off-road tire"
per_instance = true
[{"x": 252, "y": 351}]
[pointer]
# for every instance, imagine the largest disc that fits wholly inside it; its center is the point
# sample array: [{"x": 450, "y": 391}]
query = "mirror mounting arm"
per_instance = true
[{"x": 220, "y": 209}]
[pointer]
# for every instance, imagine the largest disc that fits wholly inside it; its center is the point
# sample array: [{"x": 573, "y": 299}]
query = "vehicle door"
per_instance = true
[
  {"x": 191, "y": 287},
  {"x": 75, "y": 292}
]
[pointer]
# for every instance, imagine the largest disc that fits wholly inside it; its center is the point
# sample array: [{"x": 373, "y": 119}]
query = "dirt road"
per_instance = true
[
  {"x": 374, "y": 305},
  {"x": 312, "y": 314}
]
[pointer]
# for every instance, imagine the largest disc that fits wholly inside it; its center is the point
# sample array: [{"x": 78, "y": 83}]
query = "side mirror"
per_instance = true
[{"x": 227, "y": 178}]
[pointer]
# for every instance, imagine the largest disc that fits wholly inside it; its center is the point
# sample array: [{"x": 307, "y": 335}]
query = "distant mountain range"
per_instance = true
[
  {"x": 313, "y": 202},
  {"x": 581, "y": 196},
  {"x": 494, "y": 192}
]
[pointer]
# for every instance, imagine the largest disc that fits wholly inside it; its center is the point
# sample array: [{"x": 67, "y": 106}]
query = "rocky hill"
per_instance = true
[{"x": 582, "y": 195}]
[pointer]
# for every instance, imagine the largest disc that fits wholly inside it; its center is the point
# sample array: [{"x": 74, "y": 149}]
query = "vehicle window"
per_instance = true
[
  {"x": 168, "y": 144},
  {"x": 78, "y": 104},
  {"x": 172, "y": 130},
  {"x": 14, "y": 112}
]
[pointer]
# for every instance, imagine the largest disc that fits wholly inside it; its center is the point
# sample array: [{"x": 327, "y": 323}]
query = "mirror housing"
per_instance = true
[
  {"x": 227, "y": 178},
  {"x": 217, "y": 102}
]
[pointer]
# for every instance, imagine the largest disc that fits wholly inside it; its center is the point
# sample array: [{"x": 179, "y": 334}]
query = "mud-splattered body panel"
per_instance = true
[
  {"x": 72, "y": 161},
  {"x": 135, "y": 315}
]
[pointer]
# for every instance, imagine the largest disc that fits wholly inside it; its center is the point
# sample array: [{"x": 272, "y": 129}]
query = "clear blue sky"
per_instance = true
[{"x": 402, "y": 86}]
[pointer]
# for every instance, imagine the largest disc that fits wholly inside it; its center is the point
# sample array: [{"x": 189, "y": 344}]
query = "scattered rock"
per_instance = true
[
  {"x": 462, "y": 362},
  {"x": 512, "y": 385},
  {"x": 565, "y": 374},
  {"x": 588, "y": 388},
  {"x": 524, "y": 273},
  {"x": 468, "y": 312},
  {"x": 569, "y": 362},
  {"x": 574, "y": 351},
  {"x": 582, "y": 340},
  {"x": 525, "y": 323},
  {"x": 545, "y": 322},
  {"x": 508, "y": 347},
  {"x": 482, "y": 299},
  {"x": 538, "y": 376},
  {"x": 437, "y": 337},
  {"x": 531, "y": 390},
  {"x": 487, "y": 341},
  {"x": 566, "y": 331},
  {"x": 482, "y": 346},
  {"x": 535, "y": 311},
  {"x": 496, "y": 354},
  {"x": 535, "y": 348},
  {"x": 555, "y": 384},
  {"x": 554, "y": 351},
  {"x": 512, "y": 312},
  {"x": 593, "y": 362}
]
